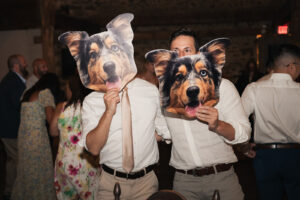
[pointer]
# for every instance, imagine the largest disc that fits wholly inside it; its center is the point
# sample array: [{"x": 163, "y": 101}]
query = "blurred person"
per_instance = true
[
  {"x": 35, "y": 165},
  {"x": 276, "y": 107},
  {"x": 76, "y": 171},
  {"x": 147, "y": 73},
  {"x": 39, "y": 68},
  {"x": 163, "y": 171},
  {"x": 12, "y": 87}
]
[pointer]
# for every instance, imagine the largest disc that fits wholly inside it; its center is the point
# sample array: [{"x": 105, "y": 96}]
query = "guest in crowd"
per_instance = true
[
  {"x": 76, "y": 171},
  {"x": 12, "y": 87},
  {"x": 35, "y": 165},
  {"x": 39, "y": 68},
  {"x": 146, "y": 72},
  {"x": 276, "y": 106}
]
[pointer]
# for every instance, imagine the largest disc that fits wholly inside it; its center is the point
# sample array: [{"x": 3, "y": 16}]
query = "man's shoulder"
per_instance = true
[
  {"x": 11, "y": 78},
  {"x": 226, "y": 84}
]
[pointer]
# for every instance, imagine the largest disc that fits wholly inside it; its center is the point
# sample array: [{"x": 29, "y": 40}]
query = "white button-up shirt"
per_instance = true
[
  {"x": 146, "y": 118},
  {"x": 195, "y": 146},
  {"x": 276, "y": 105},
  {"x": 31, "y": 81}
]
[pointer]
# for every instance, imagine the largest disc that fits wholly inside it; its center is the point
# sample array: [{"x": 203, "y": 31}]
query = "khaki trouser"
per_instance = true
[
  {"x": 195, "y": 188},
  {"x": 11, "y": 149},
  {"x": 131, "y": 189}
]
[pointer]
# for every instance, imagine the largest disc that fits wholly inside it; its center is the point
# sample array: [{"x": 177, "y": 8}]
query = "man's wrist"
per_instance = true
[
  {"x": 216, "y": 127},
  {"x": 109, "y": 113}
]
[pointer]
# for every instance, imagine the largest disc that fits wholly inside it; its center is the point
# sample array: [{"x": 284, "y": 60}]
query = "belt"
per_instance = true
[
  {"x": 132, "y": 175},
  {"x": 278, "y": 146},
  {"x": 207, "y": 170}
]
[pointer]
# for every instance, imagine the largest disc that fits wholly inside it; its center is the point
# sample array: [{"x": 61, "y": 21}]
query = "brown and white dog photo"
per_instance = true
[
  {"x": 104, "y": 60},
  {"x": 191, "y": 81}
]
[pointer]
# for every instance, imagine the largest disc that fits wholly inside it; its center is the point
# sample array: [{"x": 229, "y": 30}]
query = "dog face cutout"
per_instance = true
[
  {"x": 104, "y": 60},
  {"x": 189, "y": 82}
]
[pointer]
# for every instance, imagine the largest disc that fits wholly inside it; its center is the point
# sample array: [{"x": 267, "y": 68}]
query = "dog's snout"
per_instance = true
[
  {"x": 109, "y": 68},
  {"x": 192, "y": 92}
]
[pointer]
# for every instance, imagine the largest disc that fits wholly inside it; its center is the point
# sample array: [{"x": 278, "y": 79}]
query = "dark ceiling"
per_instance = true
[{"x": 92, "y": 15}]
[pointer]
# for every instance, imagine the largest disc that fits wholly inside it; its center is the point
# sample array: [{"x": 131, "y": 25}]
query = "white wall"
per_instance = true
[{"x": 19, "y": 42}]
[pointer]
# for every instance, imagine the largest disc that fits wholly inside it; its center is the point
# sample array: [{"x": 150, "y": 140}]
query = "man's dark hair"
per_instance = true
[
  {"x": 280, "y": 50},
  {"x": 12, "y": 60},
  {"x": 186, "y": 32}
]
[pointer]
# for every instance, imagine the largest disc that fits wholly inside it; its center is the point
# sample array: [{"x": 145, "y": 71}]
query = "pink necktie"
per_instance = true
[{"x": 128, "y": 161}]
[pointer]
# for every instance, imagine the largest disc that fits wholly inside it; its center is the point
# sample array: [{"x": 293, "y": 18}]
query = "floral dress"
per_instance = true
[
  {"x": 35, "y": 164},
  {"x": 76, "y": 171}
]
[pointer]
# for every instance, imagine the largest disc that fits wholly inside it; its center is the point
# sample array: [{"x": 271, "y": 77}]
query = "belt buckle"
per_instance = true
[
  {"x": 195, "y": 169},
  {"x": 130, "y": 173}
]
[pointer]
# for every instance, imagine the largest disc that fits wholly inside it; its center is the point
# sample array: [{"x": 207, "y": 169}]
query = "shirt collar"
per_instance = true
[
  {"x": 21, "y": 77},
  {"x": 281, "y": 76}
]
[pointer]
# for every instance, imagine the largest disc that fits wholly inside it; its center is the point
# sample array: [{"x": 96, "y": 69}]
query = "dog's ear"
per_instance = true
[
  {"x": 160, "y": 58},
  {"x": 72, "y": 40},
  {"x": 216, "y": 48},
  {"x": 120, "y": 25}
]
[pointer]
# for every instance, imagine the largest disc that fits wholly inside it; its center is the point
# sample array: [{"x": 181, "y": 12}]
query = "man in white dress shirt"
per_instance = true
[
  {"x": 275, "y": 103},
  {"x": 102, "y": 134},
  {"x": 202, "y": 153}
]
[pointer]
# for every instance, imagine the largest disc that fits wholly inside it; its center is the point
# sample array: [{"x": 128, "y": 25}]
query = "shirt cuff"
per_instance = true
[{"x": 242, "y": 132}]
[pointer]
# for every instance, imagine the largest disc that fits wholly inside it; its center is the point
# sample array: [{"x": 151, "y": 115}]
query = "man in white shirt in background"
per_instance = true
[
  {"x": 202, "y": 153},
  {"x": 39, "y": 68},
  {"x": 275, "y": 103},
  {"x": 102, "y": 135}
]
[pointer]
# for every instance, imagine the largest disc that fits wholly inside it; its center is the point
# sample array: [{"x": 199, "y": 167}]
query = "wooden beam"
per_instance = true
[{"x": 47, "y": 8}]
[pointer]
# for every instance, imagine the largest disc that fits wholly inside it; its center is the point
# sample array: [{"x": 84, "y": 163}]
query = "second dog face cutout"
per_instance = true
[
  {"x": 188, "y": 82},
  {"x": 104, "y": 60}
]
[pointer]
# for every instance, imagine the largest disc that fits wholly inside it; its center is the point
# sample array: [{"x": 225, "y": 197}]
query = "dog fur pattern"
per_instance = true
[
  {"x": 104, "y": 60},
  {"x": 191, "y": 81}
]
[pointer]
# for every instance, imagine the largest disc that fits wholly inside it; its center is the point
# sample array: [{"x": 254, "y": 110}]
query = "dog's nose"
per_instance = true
[
  {"x": 109, "y": 68},
  {"x": 192, "y": 92}
]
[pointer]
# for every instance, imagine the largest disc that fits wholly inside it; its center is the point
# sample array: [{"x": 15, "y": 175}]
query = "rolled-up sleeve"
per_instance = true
[
  {"x": 248, "y": 99},
  {"x": 161, "y": 126},
  {"x": 90, "y": 114},
  {"x": 232, "y": 112}
]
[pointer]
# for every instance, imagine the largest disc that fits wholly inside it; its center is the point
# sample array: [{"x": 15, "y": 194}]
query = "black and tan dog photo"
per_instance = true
[
  {"x": 191, "y": 81},
  {"x": 104, "y": 60}
]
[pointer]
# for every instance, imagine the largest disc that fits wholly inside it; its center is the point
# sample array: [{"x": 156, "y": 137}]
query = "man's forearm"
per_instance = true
[
  {"x": 97, "y": 137},
  {"x": 226, "y": 130}
]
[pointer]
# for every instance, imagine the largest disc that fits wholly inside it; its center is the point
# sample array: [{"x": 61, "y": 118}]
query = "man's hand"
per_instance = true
[
  {"x": 209, "y": 115},
  {"x": 250, "y": 151},
  {"x": 111, "y": 99}
]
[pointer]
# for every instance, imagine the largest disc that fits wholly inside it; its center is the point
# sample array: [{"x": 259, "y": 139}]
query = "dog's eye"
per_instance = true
[
  {"x": 93, "y": 54},
  {"x": 179, "y": 77},
  {"x": 115, "y": 48},
  {"x": 203, "y": 73}
]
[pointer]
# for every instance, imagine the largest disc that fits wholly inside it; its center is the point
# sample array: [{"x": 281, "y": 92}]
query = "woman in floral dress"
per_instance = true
[
  {"x": 35, "y": 164},
  {"x": 76, "y": 171}
]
